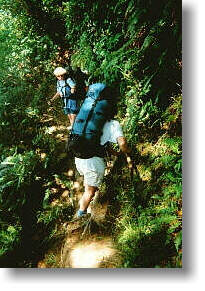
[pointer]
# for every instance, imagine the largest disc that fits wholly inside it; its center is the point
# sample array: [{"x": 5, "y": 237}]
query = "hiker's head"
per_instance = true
[
  {"x": 110, "y": 93},
  {"x": 60, "y": 73}
]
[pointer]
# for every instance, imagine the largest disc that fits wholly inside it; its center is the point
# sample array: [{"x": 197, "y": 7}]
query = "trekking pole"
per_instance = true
[
  {"x": 131, "y": 161},
  {"x": 130, "y": 166}
]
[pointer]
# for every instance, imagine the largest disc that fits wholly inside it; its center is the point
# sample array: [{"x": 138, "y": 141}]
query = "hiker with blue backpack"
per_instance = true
[
  {"x": 94, "y": 128},
  {"x": 66, "y": 88}
]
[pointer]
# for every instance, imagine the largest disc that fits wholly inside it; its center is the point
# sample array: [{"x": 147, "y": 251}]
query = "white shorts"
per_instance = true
[{"x": 92, "y": 169}]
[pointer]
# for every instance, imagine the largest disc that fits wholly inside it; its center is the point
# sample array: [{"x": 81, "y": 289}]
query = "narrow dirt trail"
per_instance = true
[{"x": 88, "y": 242}]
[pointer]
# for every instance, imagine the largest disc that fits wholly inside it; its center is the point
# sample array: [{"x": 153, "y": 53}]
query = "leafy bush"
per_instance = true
[
  {"x": 9, "y": 238},
  {"x": 150, "y": 221},
  {"x": 18, "y": 174}
]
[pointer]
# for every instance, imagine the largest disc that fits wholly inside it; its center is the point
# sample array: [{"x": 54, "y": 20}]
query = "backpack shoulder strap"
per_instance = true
[{"x": 66, "y": 83}]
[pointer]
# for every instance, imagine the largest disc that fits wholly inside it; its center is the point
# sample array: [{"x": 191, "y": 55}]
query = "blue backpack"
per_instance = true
[{"x": 97, "y": 108}]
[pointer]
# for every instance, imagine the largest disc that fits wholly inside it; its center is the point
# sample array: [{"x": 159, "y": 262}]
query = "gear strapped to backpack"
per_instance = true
[{"x": 84, "y": 141}]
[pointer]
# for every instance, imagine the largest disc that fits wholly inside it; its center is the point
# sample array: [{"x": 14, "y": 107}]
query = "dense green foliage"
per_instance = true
[{"x": 132, "y": 44}]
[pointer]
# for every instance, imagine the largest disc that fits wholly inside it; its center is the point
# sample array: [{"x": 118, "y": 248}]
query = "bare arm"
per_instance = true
[
  {"x": 55, "y": 96},
  {"x": 72, "y": 90},
  {"x": 122, "y": 142}
]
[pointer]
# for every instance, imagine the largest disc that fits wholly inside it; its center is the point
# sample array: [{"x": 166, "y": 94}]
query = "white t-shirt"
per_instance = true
[{"x": 111, "y": 131}]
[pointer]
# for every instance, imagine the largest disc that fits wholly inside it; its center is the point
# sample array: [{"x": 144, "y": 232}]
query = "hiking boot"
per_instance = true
[{"x": 81, "y": 213}]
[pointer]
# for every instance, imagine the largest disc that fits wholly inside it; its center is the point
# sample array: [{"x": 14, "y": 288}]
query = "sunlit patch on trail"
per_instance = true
[
  {"x": 50, "y": 130},
  {"x": 76, "y": 185},
  {"x": 60, "y": 136},
  {"x": 41, "y": 265},
  {"x": 65, "y": 194},
  {"x": 70, "y": 173},
  {"x": 91, "y": 254}
]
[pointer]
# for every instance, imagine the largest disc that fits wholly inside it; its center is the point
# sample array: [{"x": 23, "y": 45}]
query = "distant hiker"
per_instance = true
[
  {"x": 94, "y": 128},
  {"x": 81, "y": 79},
  {"x": 66, "y": 88}
]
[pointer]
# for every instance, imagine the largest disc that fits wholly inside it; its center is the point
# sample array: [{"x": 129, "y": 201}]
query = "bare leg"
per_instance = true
[
  {"x": 87, "y": 197},
  {"x": 71, "y": 118}
]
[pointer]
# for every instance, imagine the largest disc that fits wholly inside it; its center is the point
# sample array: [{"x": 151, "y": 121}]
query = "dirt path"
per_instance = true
[
  {"x": 88, "y": 243},
  {"x": 92, "y": 252}
]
